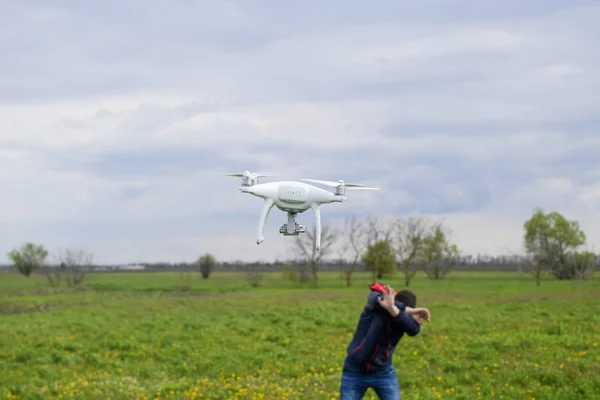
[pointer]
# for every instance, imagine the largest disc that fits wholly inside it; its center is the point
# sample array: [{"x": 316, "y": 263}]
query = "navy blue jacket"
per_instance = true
[{"x": 377, "y": 335}]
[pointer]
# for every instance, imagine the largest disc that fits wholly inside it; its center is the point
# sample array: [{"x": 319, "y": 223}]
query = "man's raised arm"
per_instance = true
[{"x": 404, "y": 319}]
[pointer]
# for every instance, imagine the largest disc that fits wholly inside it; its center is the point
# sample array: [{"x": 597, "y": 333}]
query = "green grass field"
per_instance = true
[{"x": 172, "y": 335}]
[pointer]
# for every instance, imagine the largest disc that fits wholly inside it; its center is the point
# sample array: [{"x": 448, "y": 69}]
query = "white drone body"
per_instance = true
[{"x": 294, "y": 198}]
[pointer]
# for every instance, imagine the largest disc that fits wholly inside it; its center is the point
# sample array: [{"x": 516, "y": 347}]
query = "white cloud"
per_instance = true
[
  {"x": 562, "y": 70},
  {"x": 114, "y": 134}
]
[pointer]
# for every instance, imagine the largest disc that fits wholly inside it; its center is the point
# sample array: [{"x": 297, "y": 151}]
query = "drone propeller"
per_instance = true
[
  {"x": 341, "y": 183},
  {"x": 248, "y": 174}
]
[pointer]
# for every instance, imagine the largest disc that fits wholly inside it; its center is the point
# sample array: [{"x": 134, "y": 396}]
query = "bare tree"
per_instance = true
[
  {"x": 253, "y": 274},
  {"x": 355, "y": 240},
  {"x": 305, "y": 247},
  {"x": 342, "y": 251},
  {"x": 53, "y": 274},
  {"x": 74, "y": 264},
  {"x": 410, "y": 239},
  {"x": 377, "y": 229},
  {"x": 581, "y": 265},
  {"x": 437, "y": 269}
]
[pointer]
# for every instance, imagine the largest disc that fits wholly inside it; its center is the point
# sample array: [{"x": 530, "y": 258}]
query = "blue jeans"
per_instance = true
[{"x": 355, "y": 384}]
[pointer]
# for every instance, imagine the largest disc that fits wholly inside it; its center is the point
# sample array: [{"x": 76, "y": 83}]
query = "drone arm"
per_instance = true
[
  {"x": 317, "y": 212},
  {"x": 263, "y": 219}
]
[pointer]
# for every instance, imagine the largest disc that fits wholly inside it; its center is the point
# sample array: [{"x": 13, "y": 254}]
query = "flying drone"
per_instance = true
[{"x": 294, "y": 198}]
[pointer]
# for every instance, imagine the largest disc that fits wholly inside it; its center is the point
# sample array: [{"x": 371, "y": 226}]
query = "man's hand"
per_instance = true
[
  {"x": 388, "y": 302},
  {"x": 419, "y": 314}
]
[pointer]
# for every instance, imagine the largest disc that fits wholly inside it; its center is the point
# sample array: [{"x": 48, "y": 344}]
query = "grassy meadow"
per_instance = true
[{"x": 172, "y": 335}]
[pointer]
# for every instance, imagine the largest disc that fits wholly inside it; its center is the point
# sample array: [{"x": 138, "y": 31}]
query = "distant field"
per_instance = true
[{"x": 170, "y": 335}]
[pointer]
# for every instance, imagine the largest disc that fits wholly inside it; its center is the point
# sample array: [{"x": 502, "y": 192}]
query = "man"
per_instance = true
[{"x": 386, "y": 317}]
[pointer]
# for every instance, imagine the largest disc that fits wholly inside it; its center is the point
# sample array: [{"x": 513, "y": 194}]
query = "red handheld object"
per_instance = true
[{"x": 379, "y": 287}]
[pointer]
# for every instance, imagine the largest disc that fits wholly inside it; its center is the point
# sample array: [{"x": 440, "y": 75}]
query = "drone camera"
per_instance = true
[{"x": 298, "y": 229}]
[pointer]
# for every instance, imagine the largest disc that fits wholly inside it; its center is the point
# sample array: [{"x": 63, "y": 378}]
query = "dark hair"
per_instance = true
[{"x": 407, "y": 297}]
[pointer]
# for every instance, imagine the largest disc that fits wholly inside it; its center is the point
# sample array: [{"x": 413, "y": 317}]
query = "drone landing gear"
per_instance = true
[{"x": 292, "y": 228}]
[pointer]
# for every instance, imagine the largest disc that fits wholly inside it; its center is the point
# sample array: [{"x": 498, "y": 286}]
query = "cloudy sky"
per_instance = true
[{"x": 118, "y": 119}]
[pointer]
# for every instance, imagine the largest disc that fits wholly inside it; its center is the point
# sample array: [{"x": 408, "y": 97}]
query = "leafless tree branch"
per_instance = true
[
  {"x": 305, "y": 246},
  {"x": 410, "y": 238},
  {"x": 377, "y": 229},
  {"x": 355, "y": 241},
  {"x": 74, "y": 264}
]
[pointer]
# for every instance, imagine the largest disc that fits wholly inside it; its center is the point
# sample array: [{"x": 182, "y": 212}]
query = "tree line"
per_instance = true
[
  {"x": 406, "y": 245},
  {"x": 553, "y": 245}
]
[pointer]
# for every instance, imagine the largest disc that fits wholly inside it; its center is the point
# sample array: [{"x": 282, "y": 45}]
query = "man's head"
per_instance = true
[{"x": 407, "y": 297}]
